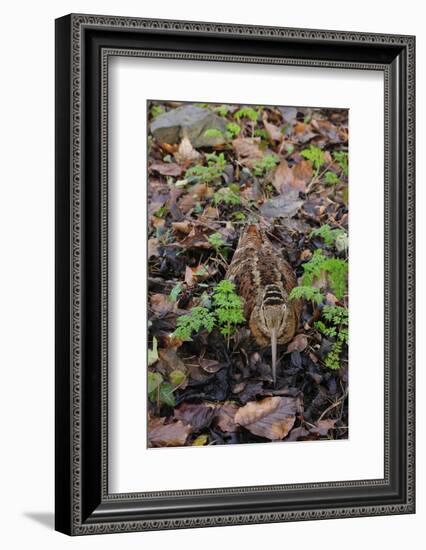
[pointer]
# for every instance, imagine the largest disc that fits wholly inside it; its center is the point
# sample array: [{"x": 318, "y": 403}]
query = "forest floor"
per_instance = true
[{"x": 212, "y": 169}]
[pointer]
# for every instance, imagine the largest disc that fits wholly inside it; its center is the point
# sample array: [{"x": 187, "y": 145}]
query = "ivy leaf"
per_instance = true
[
  {"x": 166, "y": 395},
  {"x": 154, "y": 380}
]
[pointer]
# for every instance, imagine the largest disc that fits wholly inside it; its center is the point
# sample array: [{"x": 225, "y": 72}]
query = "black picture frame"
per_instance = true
[{"x": 83, "y": 46}]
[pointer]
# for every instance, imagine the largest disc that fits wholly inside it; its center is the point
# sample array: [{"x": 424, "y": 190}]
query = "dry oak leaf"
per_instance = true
[
  {"x": 197, "y": 193},
  {"x": 197, "y": 415},
  {"x": 248, "y": 150},
  {"x": 197, "y": 238},
  {"x": 274, "y": 133},
  {"x": 283, "y": 176},
  {"x": 225, "y": 417},
  {"x": 323, "y": 426},
  {"x": 271, "y": 417},
  {"x": 166, "y": 168},
  {"x": 299, "y": 343},
  {"x": 172, "y": 434},
  {"x": 303, "y": 172},
  {"x": 328, "y": 130},
  {"x": 302, "y": 132},
  {"x": 161, "y": 305},
  {"x": 182, "y": 227},
  {"x": 194, "y": 275}
]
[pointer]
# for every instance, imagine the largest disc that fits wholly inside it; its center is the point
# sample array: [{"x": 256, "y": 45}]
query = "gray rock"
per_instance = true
[{"x": 189, "y": 121}]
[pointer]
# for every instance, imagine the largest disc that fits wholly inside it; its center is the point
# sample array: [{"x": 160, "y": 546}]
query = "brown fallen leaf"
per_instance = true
[
  {"x": 166, "y": 168},
  {"x": 161, "y": 305},
  {"x": 197, "y": 193},
  {"x": 274, "y": 133},
  {"x": 283, "y": 176},
  {"x": 272, "y": 417},
  {"x": 189, "y": 276},
  {"x": 210, "y": 365},
  {"x": 297, "y": 434},
  {"x": 172, "y": 434},
  {"x": 287, "y": 179},
  {"x": 211, "y": 212},
  {"x": 248, "y": 150},
  {"x": 186, "y": 154},
  {"x": 196, "y": 415},
  {"x": 322, "y": 427},
  {"x": 225, "y": 416},
  {"x": 198, "y": 274},
  {"x": 327, "y": 129},
  {"x": 302, "y": 171},
  {"x": 197, "y": 238},
  {"x": 250, "y": 391},
  {"x": 171, "y": 359},
  {"x": 299, "y": 343},
  {"x": 153, "y": 245},
  {"x": 182, "y": 227},
  {"x": 302, "y": 132}
]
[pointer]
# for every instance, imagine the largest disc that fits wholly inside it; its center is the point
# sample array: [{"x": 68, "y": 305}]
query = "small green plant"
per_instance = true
[
  {"x": 341, "y": 157},
  {"x": 217, "y": 242},
  {"x": 228, "y": 307},
  {"x": 239, "y": 216},
  {"x": 161, "y": 212},
  {"x": 156, "y": 110},
  {"x": 247, "y": 112},
  {"x": 328, "y": 235},
  {"x": 225, "y": 311},
  {"x": 336, "y": 328},
  {"x": 264, "y": 165},
  {"x": 330, "y": 178},
  {"x": 226, "y": 196},
  {"x": 217, "y": 160},
  {"x": 233, "y": 129},
  {"x": 324, "y": 270},
  {"x": 213, "y": 133},
  {"x": 222, "y": 110},
  {"x": 188, "y": 325},
  {"x": 260, "y": 132},
  {"x": 315, "y": 155},
  {"x": 214, "y": 169},
  {"x": 335, "y": 269},
  {"x": 308, "y": 293}
]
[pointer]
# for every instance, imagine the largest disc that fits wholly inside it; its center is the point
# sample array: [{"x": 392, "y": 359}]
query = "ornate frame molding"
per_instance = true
[{"x": 73, "y": 48}]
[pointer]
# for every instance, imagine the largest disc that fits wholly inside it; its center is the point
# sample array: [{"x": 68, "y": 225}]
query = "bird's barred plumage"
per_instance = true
[{"x": 264, "y": 280}]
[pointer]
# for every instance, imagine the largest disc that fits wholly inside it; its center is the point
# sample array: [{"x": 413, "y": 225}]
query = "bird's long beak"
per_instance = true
[{"x": 274, "y": 354}]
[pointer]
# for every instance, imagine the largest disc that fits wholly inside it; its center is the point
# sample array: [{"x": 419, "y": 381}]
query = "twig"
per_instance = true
[
  {"x": 332, "y": 406},
  {"x": 317, "y": 179}
]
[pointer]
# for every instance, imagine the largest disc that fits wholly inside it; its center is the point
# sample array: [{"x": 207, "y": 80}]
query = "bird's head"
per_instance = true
[{"x": 273, "y": 318}]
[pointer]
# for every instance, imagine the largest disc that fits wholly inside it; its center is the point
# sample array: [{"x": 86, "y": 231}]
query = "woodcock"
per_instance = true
[{"x": 264, "y": 280}]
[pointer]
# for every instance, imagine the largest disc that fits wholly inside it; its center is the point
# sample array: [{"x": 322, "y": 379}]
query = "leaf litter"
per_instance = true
[{"x": 254, "y": 164}]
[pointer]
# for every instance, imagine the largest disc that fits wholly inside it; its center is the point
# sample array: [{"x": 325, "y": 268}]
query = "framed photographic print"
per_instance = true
[{"x": 234, "y": 274}]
